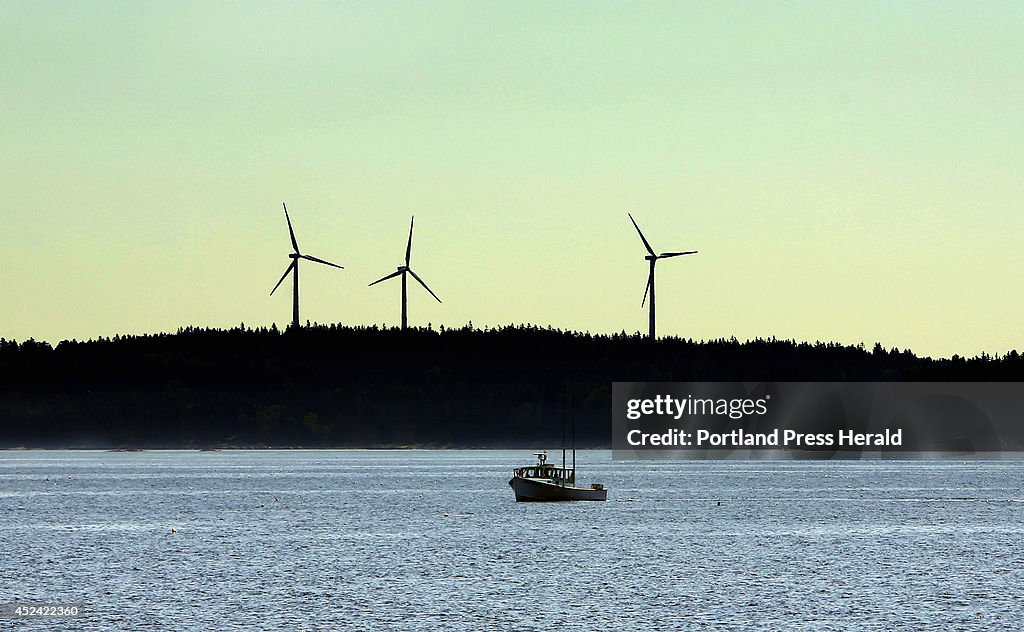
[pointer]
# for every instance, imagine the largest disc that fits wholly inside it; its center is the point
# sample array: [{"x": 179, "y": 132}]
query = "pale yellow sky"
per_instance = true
[{"x": 848, "y": 171}]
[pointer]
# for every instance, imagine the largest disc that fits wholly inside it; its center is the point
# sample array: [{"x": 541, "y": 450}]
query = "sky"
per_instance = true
[{"x": 849, "y": 171}]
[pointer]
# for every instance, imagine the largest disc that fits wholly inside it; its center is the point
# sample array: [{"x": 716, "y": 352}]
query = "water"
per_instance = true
[{"x": 426, "y": 540}]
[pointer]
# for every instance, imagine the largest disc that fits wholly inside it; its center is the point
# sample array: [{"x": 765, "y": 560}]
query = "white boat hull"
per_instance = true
[{"x": 532, "y": 490}]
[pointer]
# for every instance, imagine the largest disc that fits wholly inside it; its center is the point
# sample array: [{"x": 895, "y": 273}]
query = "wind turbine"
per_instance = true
[
  {"x": 293, "y": 267},
  {"x": 402, "y": 270},
  {"x": 653, "y": 258}
]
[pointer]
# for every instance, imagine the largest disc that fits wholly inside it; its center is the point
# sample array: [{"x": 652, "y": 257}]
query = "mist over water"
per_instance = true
[{"x": 433, "y": 539}]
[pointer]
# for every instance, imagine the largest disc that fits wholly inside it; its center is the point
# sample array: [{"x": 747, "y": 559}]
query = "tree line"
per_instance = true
[{"x": 339, "y": 386}]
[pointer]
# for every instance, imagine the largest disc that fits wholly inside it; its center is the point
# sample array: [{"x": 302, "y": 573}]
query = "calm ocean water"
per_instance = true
[{"x": 326, "y": 540}]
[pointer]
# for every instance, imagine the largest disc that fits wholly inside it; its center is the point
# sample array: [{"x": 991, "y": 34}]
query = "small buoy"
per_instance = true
[{"x": 719, "y": 503}]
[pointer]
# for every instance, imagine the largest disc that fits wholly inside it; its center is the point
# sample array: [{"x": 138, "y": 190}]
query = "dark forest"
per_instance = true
[{"x": 335, "y": 386}]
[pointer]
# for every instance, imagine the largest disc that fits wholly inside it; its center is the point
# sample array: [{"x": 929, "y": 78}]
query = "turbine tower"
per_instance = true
[
  {"x": 293, "y": 268},
  {"x": 403, "y": 270},
  {"x": 653, "y": 259}
]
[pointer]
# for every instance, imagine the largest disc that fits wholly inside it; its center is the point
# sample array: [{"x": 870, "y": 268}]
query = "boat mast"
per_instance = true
[
  {"x": 563, "y": 436},
  {"x": 572, "y": 426}
]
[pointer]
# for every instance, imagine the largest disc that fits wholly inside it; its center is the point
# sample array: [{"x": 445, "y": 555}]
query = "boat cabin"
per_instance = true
[{"x": 546, "y": 471}]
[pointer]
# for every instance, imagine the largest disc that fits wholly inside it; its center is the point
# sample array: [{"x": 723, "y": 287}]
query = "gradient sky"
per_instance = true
[{"x": 849, "y": 171}]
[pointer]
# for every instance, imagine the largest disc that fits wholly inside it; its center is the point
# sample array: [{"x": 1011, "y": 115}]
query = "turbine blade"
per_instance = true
[
  {"x": 667, "y": 255},
  {"x": 416, "y": 276},
  {"x": 291, "y": 232},
  {"x": 408, "y": 247},
  {"x": 286, "y": 272},
  {"x": 326, "y": 263},
  {"x": 390, "y": 276},
  {"x": 644, "y": 239},
  {"x": 647, "y": 288}
]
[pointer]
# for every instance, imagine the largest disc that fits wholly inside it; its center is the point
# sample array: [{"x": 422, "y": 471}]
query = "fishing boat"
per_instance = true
[{"x": 546, "y": 482}]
